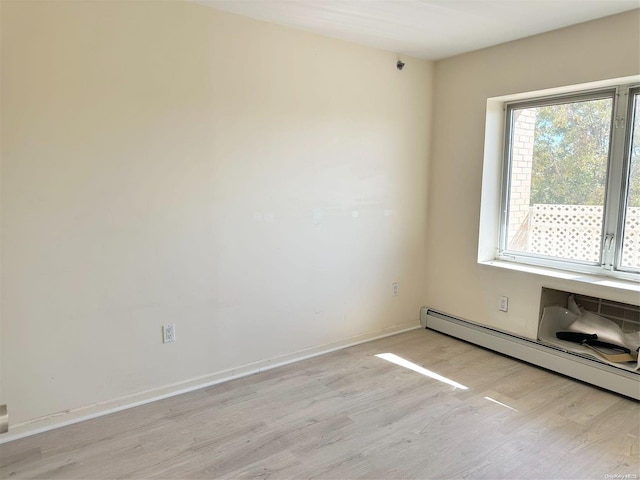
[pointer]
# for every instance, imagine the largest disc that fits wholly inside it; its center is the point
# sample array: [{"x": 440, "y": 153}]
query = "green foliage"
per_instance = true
[{"x": 570, "y": 154}]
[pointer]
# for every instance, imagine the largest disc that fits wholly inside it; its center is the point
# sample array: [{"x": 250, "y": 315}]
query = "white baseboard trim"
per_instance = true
[{"x": 69, "y": 417}]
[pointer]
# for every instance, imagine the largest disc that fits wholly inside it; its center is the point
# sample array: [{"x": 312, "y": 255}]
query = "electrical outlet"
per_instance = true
[
  {"x": 169, "y": 333},
  {"x": 504, "y": 304},
  {"x": 395, "y": 287}
]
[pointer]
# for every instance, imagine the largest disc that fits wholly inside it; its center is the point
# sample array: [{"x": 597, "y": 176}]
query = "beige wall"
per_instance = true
[
  {"x": 162, "y": 162},
  {"x": 257, "y": 186},
  {"x": 456, "y": 284}
]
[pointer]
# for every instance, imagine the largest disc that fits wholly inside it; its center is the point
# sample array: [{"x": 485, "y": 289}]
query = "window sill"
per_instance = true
[{"x": 599, "y": 280}]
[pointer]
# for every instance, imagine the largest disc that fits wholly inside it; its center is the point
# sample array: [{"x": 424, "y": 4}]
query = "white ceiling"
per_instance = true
[{"x": 431, "y": 29}]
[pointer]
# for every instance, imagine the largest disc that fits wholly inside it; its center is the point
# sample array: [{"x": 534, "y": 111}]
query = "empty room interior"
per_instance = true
[{"x": 319, "y": 239}]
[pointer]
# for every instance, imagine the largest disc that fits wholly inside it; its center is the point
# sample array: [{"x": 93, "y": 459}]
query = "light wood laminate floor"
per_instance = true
[{"x": 350, "y": 414}]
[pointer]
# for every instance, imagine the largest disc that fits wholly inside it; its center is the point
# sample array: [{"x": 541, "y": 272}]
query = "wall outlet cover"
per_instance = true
[
  {"x": 169, "y": 333},
  {"x": 503, "y": 306}
]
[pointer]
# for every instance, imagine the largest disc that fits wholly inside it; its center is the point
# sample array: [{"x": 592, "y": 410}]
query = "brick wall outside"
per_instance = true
[{"x": 520, "y": 189}]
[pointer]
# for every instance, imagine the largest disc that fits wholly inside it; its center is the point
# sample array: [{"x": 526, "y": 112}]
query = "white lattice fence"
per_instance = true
[
  {"x": 631, "y": 247},
  {"x": 573, "y": 231}
]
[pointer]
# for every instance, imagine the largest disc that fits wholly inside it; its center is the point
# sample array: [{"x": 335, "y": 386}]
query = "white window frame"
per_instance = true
[
  {"x": 494, "y": 201},
  {"x": 627, "y": 118}
]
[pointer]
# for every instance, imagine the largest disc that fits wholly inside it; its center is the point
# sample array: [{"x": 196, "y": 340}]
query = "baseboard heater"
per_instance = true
[{"x": 573, "y": 365}]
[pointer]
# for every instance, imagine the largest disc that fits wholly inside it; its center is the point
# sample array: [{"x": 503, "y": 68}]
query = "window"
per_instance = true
[{"x": 571, "y": 182}]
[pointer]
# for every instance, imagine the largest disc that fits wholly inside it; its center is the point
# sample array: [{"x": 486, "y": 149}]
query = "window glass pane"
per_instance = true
[
  {"x": 631, "y": 237},
  {"x": 557, "y": 180}
]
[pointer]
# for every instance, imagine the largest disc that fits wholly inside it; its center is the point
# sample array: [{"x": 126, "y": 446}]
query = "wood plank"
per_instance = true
[{"x": 350, "y": 414}]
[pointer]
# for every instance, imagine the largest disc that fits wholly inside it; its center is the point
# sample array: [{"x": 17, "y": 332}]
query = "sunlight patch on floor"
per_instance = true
[
  {"x": 500, "y": 403},
  {"x": 390, "y": 357}
]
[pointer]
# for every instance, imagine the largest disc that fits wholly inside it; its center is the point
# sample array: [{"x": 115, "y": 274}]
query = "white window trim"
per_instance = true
[
  {"x": 491, "y": 198},
  {"x": 548, "y": 272}
]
